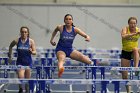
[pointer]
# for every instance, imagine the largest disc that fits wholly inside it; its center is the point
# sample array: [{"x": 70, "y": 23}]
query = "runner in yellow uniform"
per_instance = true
[{"x": 130, "y": 35}]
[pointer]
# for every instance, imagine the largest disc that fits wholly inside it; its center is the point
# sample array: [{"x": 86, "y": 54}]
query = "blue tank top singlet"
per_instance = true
[
  {"x": 24, "y": 55},
  {"x": 66, "y": 38}
]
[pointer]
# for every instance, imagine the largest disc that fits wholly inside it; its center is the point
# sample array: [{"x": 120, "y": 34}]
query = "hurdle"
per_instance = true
[
  {"x": 69, "y": 67},
  {"x": 42, "y": 82},
  {"x": 41, "y": 71},
  {"x": 103, "y": 82},
  {"x": 5, "y": 60}
]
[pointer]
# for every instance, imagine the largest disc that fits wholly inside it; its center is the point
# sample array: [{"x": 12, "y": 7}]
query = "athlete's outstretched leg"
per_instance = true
[{"x": 76, "y": 55}]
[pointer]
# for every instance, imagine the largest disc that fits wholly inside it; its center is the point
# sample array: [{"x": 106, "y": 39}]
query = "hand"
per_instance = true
[
  {"x": 53, "y": 43},
  {"x": 87, "y": 39},
  {"x": 138, "y": 32}
]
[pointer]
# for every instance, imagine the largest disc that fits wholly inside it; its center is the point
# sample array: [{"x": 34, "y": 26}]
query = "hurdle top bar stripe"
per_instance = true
[
  {"x": 75, "y": 67},
  {"x": 66, "y": 81}
]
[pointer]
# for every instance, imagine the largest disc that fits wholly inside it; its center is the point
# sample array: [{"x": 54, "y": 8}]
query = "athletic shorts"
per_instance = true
[
  {"x": 24, "y": 62},
  {"x": 126, "y": 55},
  {"x": 67, "y": 51}
]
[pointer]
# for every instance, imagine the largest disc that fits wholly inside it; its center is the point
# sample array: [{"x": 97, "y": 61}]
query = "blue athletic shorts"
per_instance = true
[{"x": 67, "y": 51}]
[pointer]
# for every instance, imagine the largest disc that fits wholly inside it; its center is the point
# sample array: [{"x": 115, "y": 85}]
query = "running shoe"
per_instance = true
[
  {"x": 61, "y": 70},
  {"x": 20, "y": 90}
]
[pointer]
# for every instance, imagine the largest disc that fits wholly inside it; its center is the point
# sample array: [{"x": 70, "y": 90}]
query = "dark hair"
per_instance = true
[
  {"x": 27, "y": 30},
  {"x": 68, "y": 15},
  {"x": 132, "y": 18}
]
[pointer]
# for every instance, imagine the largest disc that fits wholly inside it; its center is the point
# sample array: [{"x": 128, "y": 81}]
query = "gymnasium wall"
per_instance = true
[
  {"x": 102, "y": 22},
  {"x": 71, "y": 1}
]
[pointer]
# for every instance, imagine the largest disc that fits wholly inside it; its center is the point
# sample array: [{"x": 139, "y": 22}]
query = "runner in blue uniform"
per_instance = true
[
  {"x": 25, "y": 47},
  {"x": 64, "y": 47}
]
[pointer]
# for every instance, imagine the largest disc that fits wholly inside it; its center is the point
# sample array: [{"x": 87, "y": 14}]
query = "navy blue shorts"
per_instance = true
[
  {"x": 24, "y": 62},
  {"x": 126, "y": 55},
  {"x": 67, "y": 51}
]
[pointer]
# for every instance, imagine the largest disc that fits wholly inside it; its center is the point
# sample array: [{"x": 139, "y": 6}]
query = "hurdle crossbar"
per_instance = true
[
  {"x": 66, "y": 81},
  {"x": 15, "y": 91},
  {"x": 75, "y": 67}
]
